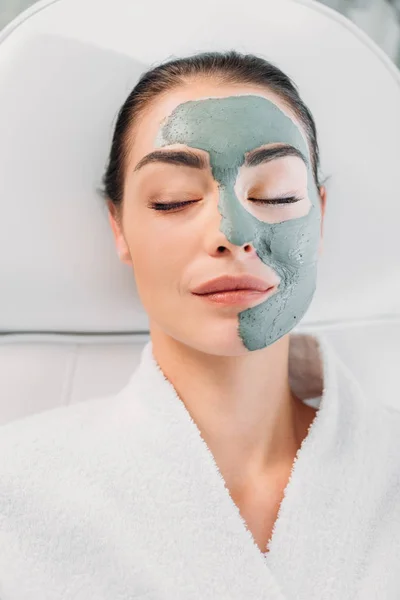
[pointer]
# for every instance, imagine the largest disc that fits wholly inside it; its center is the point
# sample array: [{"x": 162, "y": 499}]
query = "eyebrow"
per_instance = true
[
  {"x": 187, "y": 158},
  {"x": 263, "y": 155}
]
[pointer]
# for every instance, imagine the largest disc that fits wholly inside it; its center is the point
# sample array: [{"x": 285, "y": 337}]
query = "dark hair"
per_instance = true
[{"x": 226, "y": 67}]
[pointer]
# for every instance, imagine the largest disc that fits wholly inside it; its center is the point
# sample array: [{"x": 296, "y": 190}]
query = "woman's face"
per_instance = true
[{"x": 226, "y": 227}]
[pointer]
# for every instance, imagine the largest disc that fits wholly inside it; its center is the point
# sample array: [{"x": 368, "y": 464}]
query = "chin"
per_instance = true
[
  {"x": 216, "y": 334},
  {"x": 219, "y": 337}
]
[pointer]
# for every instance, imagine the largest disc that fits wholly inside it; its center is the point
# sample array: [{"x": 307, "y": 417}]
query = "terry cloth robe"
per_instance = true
[{"x": 120, "y": 498}]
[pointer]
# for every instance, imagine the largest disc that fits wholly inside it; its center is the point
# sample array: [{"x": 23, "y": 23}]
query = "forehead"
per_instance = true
[
  {"x": 165, "y": 108},
  {"x": 229, "y": 127}
]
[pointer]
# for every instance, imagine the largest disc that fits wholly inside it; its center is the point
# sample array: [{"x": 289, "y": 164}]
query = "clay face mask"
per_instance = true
[{"x": 227, "y": 128}]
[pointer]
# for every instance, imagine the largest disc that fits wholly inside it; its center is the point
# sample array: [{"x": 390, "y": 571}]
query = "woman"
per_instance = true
[
  {"x": 165, "y": 212},
  {"x": 241, "y": 460}
]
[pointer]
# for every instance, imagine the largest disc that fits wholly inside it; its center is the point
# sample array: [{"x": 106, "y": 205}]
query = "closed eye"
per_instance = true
[
  {"x": 272, "y": 201},
  {"x": 170, "y": 205},
  {"x": 275, "y": 201}
]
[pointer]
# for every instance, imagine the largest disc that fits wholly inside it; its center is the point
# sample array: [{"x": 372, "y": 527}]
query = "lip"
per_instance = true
[
  {"x": 230, "y": 283},
  {"x": 238, "y": 297}
]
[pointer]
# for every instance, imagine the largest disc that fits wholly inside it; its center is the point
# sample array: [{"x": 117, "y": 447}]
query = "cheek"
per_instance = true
[
  {"x": 159, "y": 249},
  {"x": 294, "y": 244}
]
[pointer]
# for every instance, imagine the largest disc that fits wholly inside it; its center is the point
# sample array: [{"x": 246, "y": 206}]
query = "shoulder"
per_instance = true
[
  {"x": 47, "y": 455},
  {"x": 40, "y": 441},
  {"x": 34, "y": 425}
]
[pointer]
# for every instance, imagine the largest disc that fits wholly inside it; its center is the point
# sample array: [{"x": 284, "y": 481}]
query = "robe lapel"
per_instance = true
[
  {"x": 196, "y": 524},
  {"x": 321, "y": 533}
]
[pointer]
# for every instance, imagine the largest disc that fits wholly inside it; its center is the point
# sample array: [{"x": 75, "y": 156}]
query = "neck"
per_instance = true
[{"x": 243, "y": 405}]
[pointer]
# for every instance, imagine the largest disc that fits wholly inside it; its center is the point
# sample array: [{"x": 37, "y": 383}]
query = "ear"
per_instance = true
[
  {"x": 322, "y": 196},
  {"x": 116, "y": 227}
]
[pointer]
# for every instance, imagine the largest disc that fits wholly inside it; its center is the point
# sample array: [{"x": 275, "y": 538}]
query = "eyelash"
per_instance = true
[{"x": 274, "y": 201}]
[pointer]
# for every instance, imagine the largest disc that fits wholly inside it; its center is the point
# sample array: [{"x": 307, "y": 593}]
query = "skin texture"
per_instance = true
[{"x": 228, "y": 364}]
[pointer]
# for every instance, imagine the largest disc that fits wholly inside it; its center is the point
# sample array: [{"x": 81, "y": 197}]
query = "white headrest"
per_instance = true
[{"x": 66, "y": 67}]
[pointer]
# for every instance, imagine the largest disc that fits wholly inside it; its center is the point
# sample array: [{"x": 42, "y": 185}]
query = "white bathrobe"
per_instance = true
[{"x": 119, "y": 498}]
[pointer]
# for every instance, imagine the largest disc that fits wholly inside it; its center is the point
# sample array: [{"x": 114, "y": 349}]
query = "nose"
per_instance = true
[
  {"x": 227, "y": 230},
  {"x": 235, "y": 223},
  {"x": 245, "y": 249}
]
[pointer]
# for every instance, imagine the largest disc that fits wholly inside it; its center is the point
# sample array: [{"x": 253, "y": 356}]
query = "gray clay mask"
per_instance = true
[{"x": 227, "y": 128}]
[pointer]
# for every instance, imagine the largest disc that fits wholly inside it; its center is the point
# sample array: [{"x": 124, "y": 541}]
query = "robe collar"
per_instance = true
[{"x": 316, "y": 536}]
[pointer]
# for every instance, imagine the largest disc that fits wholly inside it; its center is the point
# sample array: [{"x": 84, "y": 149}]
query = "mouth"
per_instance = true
[{"x": 239, "y": 297}]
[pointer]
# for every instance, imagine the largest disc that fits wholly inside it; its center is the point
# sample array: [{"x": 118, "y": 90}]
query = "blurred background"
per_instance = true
[{"x": 379, "y": 18}]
